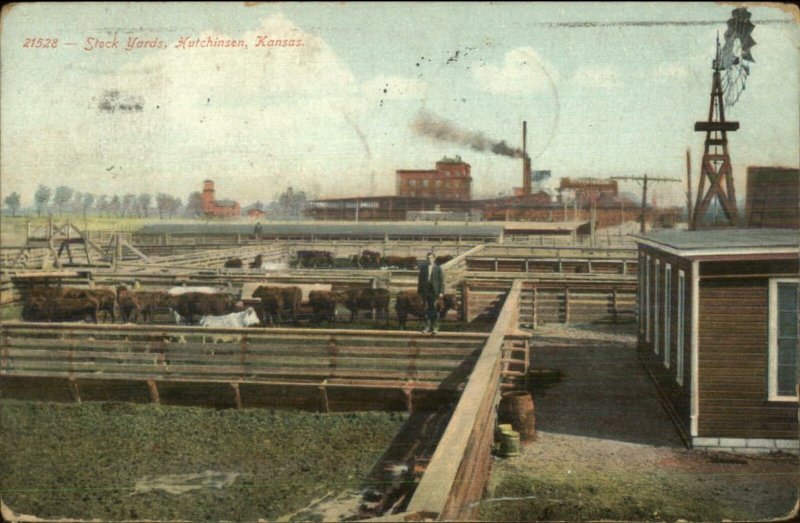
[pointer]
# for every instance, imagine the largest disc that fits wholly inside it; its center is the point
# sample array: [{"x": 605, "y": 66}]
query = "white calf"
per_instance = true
[{"x": 242, "y": 319}]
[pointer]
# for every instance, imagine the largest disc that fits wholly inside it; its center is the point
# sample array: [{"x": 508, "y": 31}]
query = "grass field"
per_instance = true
[{"x": 114, "y": 461}]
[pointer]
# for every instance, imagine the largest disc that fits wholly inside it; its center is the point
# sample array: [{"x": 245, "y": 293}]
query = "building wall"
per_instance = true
[
  {"x": 773, "y": 197},
  {"x": 734, "y": 342},
  {"x": 210, "y": 207},
  {"x": 449, "y": 181},
  {"x": 678, "y": 394},
  {"x": 733, "y": 324}
]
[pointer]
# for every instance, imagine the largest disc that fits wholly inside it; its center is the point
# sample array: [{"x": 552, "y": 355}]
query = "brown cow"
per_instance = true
[
  {"x": 271, "y": 303},
  {"x": 59, "y": 308},
  {"x": 411, "y": 303},
  {"x": 441, "y": 260},
  {"x": 233, "y": 263},
  {"x": 323, "y": 305},
  {"x": 106, "y": 298},
  {"x": 257, "y": 262},
  {"x": 193, "y": 304},
  {"x": 140, "y": 306},
  {"x": 370, "y": 299},
  {"x": 399, "y": 262}
]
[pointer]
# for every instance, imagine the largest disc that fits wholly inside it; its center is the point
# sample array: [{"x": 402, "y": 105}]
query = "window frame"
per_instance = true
[
  {"x": 667, "y": 313},
  {"x": 681, "y": 328},
  {"x": 772, "y": 350},
  {"x": 656, "y": 311}
]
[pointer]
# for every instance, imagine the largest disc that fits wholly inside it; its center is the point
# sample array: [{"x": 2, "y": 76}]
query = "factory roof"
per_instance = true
[
  {"x": 322, "y": 228},
  {"x": 724, "y": 242}
]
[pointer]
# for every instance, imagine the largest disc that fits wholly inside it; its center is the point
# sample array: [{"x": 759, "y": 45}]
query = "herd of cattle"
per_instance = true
[
  {"x": 325, "y": 260},
  {"x": 270, "y": 305}
]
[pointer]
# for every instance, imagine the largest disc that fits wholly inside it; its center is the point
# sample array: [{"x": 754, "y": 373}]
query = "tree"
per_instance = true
[
  {"x": 76, "y": 204},
  {"x": 194, "y": 206},
  {"x": 87, "y": 202},
  {"x": 175, "y": 206},
  {"x": 12, "y": 201},
  {"x": 128, "y": 204},
  {"x": 62, "y": 196},
  {"x": 102, "y": 205},
  {"x": 41, "y": 197},
  {"x": 115, "y": 206},
  {"x": 163, "y": 204},
  {"x": 292, "y": 203},
  {"x": 143, "y": 202}
]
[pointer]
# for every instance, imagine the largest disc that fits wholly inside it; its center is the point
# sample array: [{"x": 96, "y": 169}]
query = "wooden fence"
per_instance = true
[
  {"x": 322, "y": 360},
  {"x": 459, "y": 469},
  {"x": 515, "y": 259}
]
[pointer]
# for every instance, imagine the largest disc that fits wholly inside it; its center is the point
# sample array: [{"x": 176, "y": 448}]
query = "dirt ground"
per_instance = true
[
  {"x": 607, "y": 450},
  {"x": 118, "y": 461}
]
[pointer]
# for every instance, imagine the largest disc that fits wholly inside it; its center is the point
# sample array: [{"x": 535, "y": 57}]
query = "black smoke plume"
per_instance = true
[{"x": 428, "y": 124}]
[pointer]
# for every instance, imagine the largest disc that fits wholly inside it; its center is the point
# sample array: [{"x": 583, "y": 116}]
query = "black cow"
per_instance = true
[{"x": 193, "y": 304}]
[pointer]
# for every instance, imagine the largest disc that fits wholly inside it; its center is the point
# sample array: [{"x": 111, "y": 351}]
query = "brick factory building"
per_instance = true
[
  {"x": 585, "y": 187},
  {"x": 218, "y": 208},
  {"x": 450, "y": 180},
  {"x": 773, "y": 198}
]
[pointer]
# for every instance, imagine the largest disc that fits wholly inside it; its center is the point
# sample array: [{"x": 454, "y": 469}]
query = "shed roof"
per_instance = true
[
  {"x": 330, "y": 229},
  {"x": 733, "y": 242}
]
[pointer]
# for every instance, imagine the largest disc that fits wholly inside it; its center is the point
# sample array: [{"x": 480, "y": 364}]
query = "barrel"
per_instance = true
[
  {"x": 517, "y": 408},
  {"x": 509, "y": 444}
]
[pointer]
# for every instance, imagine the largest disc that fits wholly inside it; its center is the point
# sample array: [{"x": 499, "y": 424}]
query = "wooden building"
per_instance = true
[
  {"x": 773, "y": 198},
  {"x": 718, "y": 321}
]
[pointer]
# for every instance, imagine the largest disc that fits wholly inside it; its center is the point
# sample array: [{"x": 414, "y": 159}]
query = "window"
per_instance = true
[
  {"x": 667, "y": 312},
  {"x": 438, "y": 183},
  {"x": 412, "y": 183},
  {"x": 647, "y": 299},
  {"x": 783, "y": 340},
  {"x": 424, "y": 183},
  {"x": 681, "y": 327},
  {"x": 655, "y": 305}
]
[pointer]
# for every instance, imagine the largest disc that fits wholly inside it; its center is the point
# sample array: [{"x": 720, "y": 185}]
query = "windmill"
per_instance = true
[{"x": 732, "y": 62}]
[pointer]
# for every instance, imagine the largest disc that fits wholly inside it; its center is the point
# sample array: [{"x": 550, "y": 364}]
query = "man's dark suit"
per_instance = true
[{"x": 429, "y": 286}]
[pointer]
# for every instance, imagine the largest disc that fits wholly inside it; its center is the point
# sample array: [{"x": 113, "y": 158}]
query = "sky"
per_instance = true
[{"x": 606, "y": 89}]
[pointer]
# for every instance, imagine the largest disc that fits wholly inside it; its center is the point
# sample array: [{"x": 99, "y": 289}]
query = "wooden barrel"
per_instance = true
[{"x": 517, "y": 408}]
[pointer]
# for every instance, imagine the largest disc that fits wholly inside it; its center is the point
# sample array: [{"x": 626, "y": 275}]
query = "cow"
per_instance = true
[
  {"x": 377, "y": 300},
  {"x": 59, "y": 308},
  {"x": 106, "y": 298},
  {"x": 323, "y": 305},
  {"x": 233, "y": 263},
  {"x": 411, "y": 303},
  {"x": 193, "y": 304},
  {"x": 271, "y": 303},
  {"x": 399, "y": 262},
  {"x": 366, "y": 260},
  {"x": 314, "y": 259},
  {"x": 140, "y": 306},
  {"x": 256, "y": 264},
  {"x": 242, "y": 319}
]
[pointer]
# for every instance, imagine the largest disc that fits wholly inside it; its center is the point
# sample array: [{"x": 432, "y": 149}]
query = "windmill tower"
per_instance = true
[{"x": 733, "y": 61}]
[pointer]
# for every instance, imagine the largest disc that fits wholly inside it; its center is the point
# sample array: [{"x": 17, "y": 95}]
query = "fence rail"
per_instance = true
[{"x": 286, "y": 357}]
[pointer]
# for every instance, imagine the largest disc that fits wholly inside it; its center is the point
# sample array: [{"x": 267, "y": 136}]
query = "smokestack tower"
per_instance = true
[{"x": 526, "y": 162}]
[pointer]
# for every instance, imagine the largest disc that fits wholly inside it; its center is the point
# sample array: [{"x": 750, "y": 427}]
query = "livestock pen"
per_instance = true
[{"x": 322, "y": 370}]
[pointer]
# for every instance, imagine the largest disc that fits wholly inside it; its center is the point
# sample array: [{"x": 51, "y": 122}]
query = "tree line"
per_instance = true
[{"x": 65, "y": 200}]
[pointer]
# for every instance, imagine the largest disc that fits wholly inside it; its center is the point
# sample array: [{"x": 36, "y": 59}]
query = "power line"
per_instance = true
[{"x": 644, "y": 180}]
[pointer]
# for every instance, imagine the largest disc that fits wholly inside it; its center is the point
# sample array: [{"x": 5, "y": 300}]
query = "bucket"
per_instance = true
[
  {"x": 517, "y": 409},
  {"x": 509, "y": 444}
]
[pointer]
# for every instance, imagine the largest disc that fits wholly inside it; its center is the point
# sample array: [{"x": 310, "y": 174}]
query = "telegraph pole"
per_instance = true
[{"x": 644, "y": 181}]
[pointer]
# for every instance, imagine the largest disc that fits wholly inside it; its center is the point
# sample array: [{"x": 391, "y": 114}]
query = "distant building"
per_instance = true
[
  {"x": 450, "y": 180},
  {"x": 773, "y": 198},
  {"x": 256, "y": 213},
  {"x": 218, "y": 208},
  {"x": 586, "y": 187}
]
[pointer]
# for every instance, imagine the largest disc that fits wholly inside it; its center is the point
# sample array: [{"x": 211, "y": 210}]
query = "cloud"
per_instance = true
[
  {"x": 597, "y": 77},
  {"x": 522, "y": 71},
  {"x": 395, "y": 88}
]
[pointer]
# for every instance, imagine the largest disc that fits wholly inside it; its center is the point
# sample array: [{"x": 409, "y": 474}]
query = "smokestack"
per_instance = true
[{"x": 526, "y": 162}]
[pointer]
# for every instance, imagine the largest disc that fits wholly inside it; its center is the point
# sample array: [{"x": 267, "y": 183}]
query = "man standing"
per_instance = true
[{"x": 430, "y": 287}]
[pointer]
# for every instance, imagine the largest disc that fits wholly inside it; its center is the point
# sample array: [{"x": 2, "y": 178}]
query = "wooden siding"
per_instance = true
[{"x": 733, "y": 363}]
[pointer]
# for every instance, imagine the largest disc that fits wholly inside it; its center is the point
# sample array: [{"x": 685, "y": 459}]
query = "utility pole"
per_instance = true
[{"x": 644, "y": 181}]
